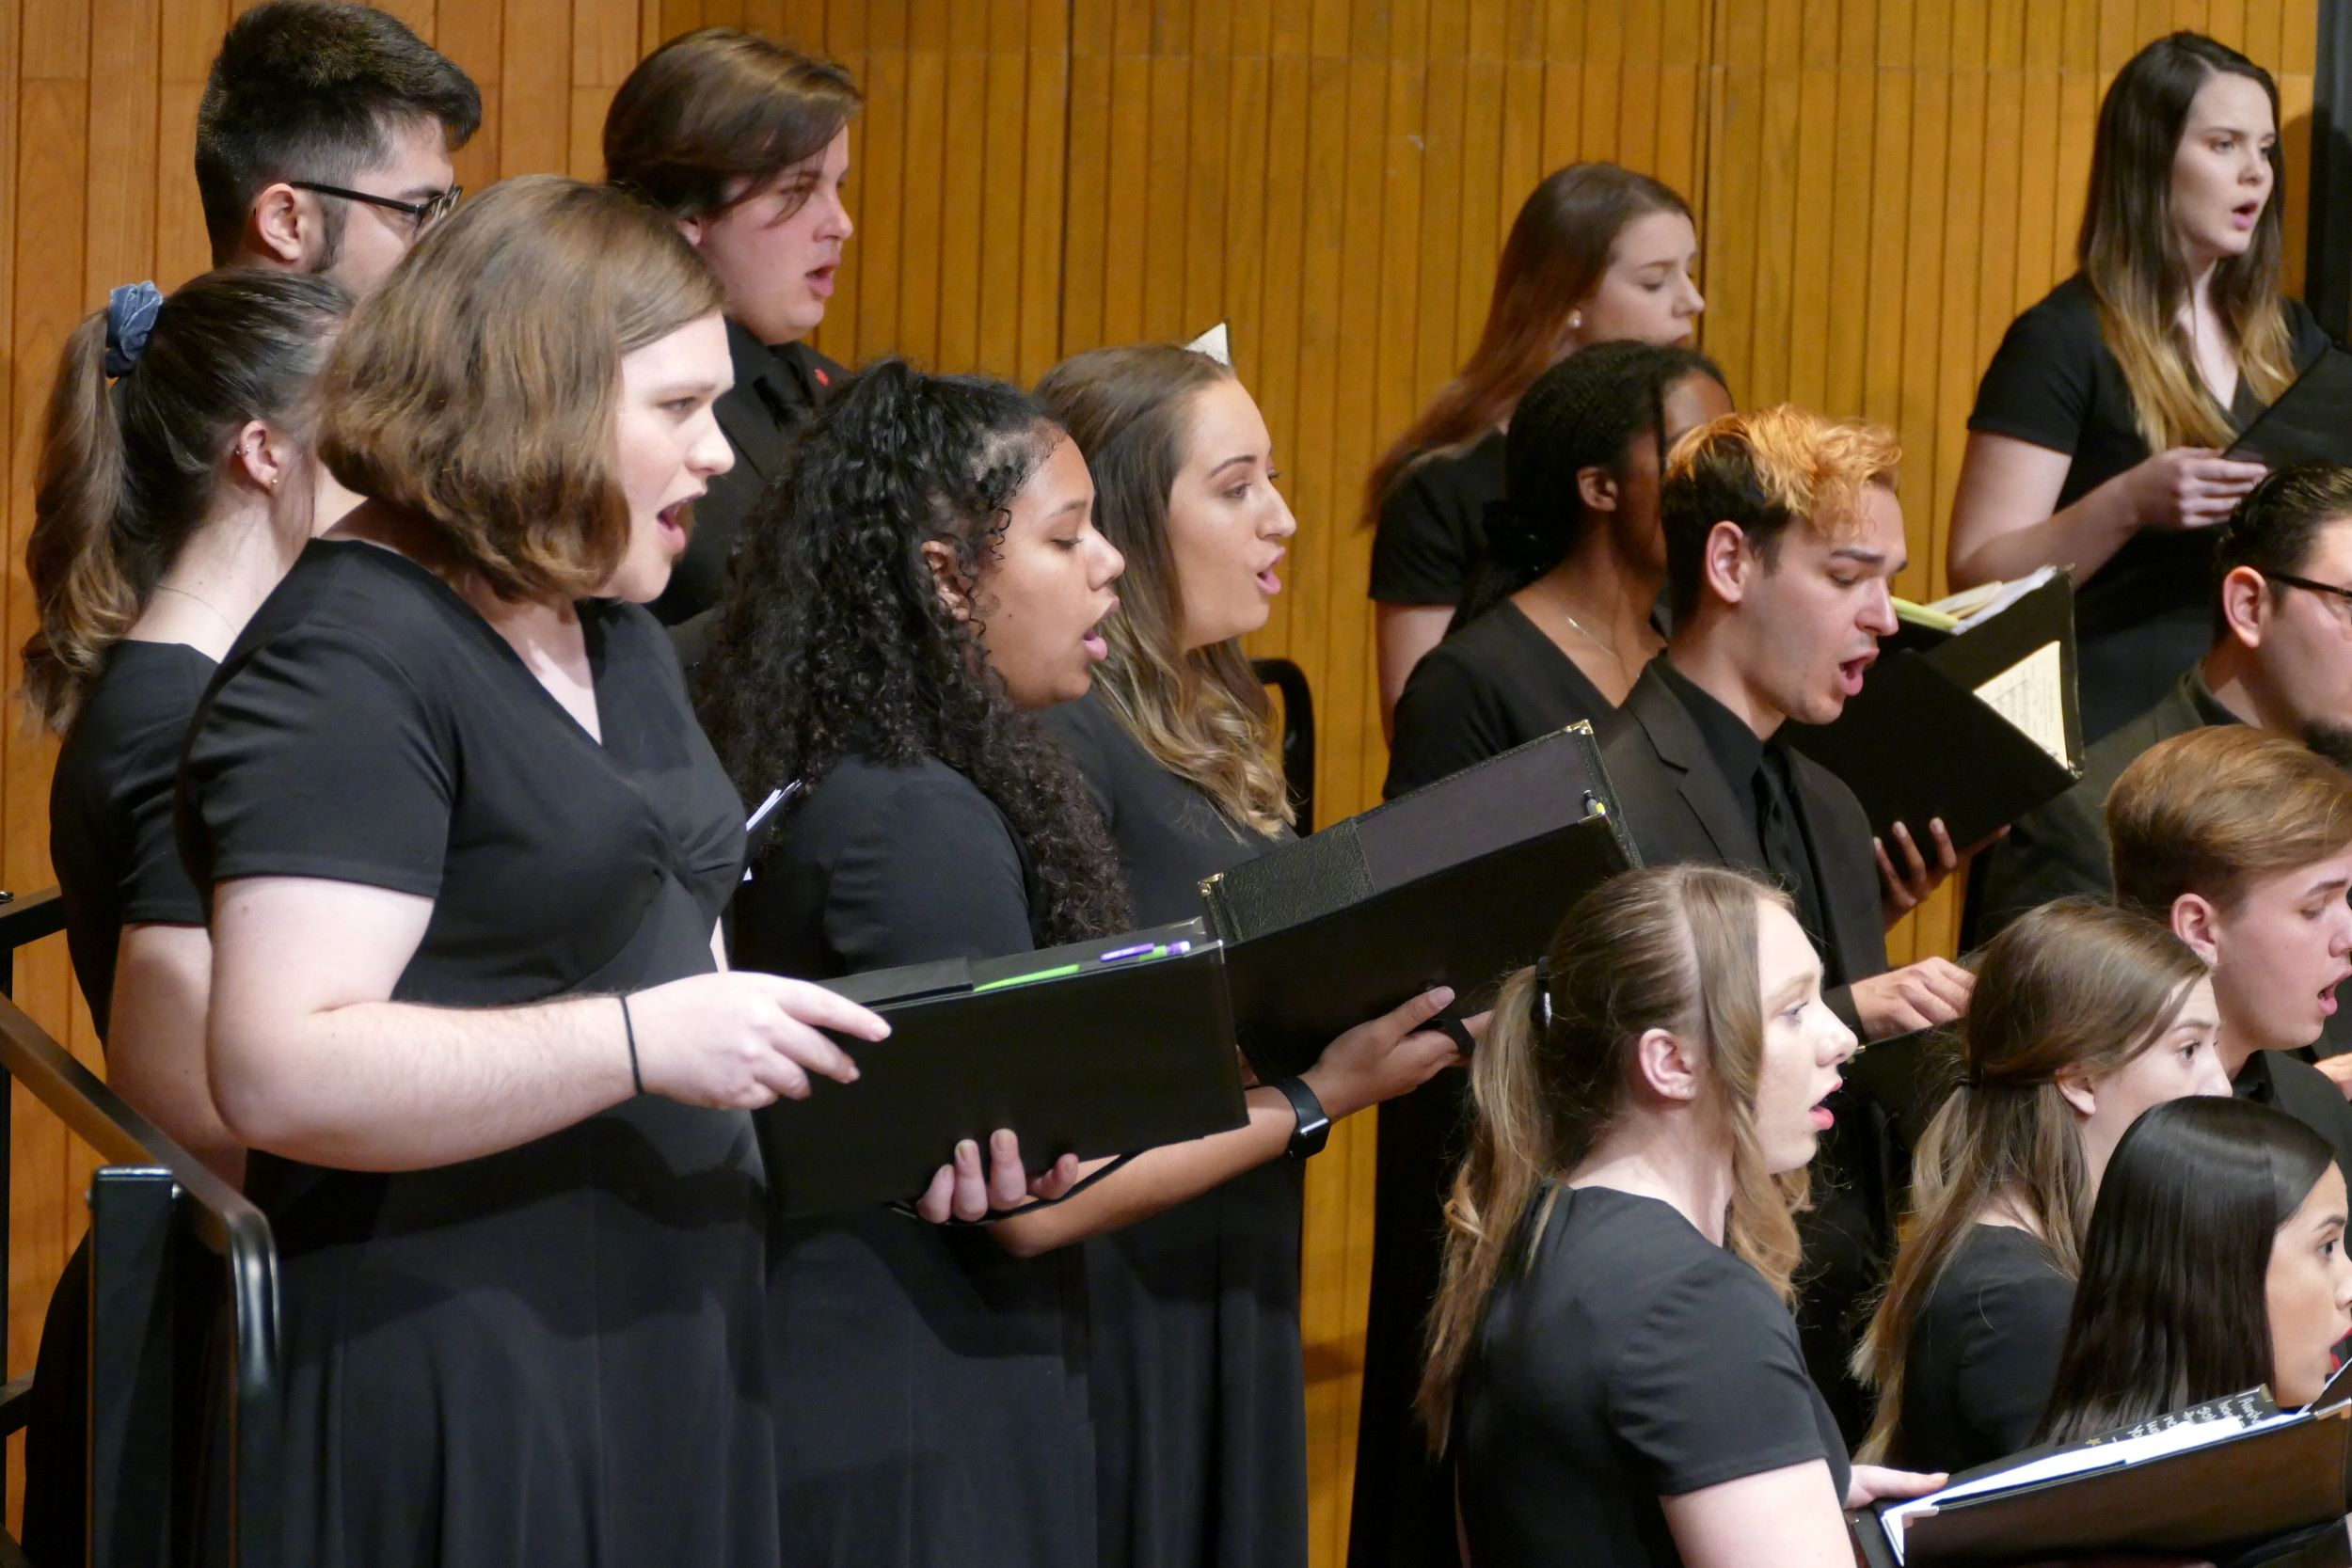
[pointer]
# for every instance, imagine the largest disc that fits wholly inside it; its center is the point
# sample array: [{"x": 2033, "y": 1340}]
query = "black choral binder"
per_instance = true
[
  {"x": 1977, "y": 725},
  {"x": 2311, "y": 421},
  {"x": 1100, "y": 1048},
  {"x": 1454, "y": 884}
]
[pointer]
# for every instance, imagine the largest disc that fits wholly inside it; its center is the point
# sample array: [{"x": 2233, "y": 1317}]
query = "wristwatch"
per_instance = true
[{"x": 1314, "y": 1127}]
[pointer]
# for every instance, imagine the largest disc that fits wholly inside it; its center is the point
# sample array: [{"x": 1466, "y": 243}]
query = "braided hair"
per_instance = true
[
  {"x": 1583, "y": 413},
  {"x": 832, "y": 637}
]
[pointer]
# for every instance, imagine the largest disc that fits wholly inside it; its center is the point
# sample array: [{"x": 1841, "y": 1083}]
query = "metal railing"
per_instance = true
[{"x": 170, "y": 1245}]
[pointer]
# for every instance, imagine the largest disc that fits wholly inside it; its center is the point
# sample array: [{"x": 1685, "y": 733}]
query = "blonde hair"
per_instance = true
[
  {"x": 1201, "y": 714},
  {"x": 2074, "y": 984},
  {"x": 1764, "y": 471},
  {"x": 2218, "y": 808},
  {"x": 1671, "y": 947},
  {"x": 478, "y": 389},
  {"x": 2132, "y": 260}
]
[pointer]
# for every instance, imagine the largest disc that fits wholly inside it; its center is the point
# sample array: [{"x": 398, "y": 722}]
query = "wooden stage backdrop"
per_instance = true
[{"x": 1882, "y": 184}]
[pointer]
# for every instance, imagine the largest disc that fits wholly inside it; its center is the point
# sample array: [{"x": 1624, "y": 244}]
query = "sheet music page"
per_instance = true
[
  {"x": 2031, "y": 694},
  {"x": 2073, "y": 1462}
]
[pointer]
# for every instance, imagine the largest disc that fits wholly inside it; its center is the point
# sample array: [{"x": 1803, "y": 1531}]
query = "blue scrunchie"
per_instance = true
[{"x": 129, "y": 322}]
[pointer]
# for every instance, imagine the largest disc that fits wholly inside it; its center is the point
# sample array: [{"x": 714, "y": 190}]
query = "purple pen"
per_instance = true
[{"x": 1117, "y": 954}]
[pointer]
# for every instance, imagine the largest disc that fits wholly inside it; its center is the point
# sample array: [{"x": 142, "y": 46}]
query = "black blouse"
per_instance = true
[
  {"x": 1497, "y": 683},
  {"x": 1983, "y": 1353},
  {"x": 932, "y": 1388},
  {"x": 1630, "y": 1360},
  {"x": 1433, "y": 526},
  {"x": 110, "y": 803},
  {"x": 2143, "y": 617}
]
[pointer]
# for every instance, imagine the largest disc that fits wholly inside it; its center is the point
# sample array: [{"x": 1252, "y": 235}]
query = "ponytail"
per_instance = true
[
  {"x": 129, "y": 468},
  {"x": 85, "y": 599}
]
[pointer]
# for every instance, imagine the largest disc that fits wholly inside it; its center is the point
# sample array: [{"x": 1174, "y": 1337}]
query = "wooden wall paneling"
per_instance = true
[
  {"x": 1779, "y": 98},
  {"x": 2080, "y": 84},
  {"x": 1853, "y": 218},
  {"x": 1681, "y": 101},
  {"x": 1209, "y": 169},
  {"x": 1397, "y": 390},
  {"x": 1730, "y": 208},
  {"x": 535, "y": 87},
  {"x": 1085, "y": 233},
  {"x": 1520, "y": 161},
  {"x": 1564, "y": 81},
  {"x": 14, "y": 347},
  {"x": 2296, "y": 58},
  {"x": 604, "y": 51},
  {"x": 1242, "y": 290},
  {"x": 996, "y": 215},
  {"x": 877, "y": 182},
  {"x": 1487, "y": 213},
  {"x": 921, "y": 195},
  {"x": 50, "y": 294},
  {"x": 191, "y": 31},
  {"x": 1601, "y": 133},
  {"x": 1640, "y": 38},
  {"x": 1156, "y": 253},
  {"x": 2041, "y": 215},
  {"x": 836, "y": 30},
  {"x": 1127, "y": 197},
  {"x": 1439, "y": 284},
  {"x": 1886, "y": 54},
  {"x": 1811, "y": 216},
  {"x": 1043, "y": 173},
  {"x": 962, "y": 180},
  {"x": 474, "y": 36}
]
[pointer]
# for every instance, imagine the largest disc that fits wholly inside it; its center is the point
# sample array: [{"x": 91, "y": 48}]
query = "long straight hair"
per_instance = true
[
  {"x": 2130, "y": 249},
  {"x": 1557, "y": 253},
  {"x": 1670, "y": 947},
  {"x": 1201, "y": 714},
  {"x": 2074, "y": 984},
  {"x": 2172, "y": 1309}
]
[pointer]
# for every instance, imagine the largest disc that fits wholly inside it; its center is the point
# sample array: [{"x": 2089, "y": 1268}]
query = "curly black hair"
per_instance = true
[
  {"x": 833, "y": 638},
  {"x": 1583, "y": 413}
]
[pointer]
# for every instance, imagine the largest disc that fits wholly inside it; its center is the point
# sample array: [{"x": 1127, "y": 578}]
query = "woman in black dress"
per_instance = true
[
  {"x": 1613, "y": 1374},
  {"x": 1596, "y": 253},
  {"x": 1197, "y": 1380},
  {"x": 2084, "y": 1016},
  {"x": 2215, "y": 1262},
  {"x": 176, "y": 486},
  {"x": 466, "y": 852},
  {"x": 933, "y": 579},
  {"x": 2097, "y": 440},
  {"x": 745, "y": 143},
  {"x": 1558, "y": 620}
]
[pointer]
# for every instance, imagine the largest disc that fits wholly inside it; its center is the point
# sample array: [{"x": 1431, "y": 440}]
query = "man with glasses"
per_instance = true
[
  {"x": 2280, "y": 661},
  {"x": 322, "y": 143}
]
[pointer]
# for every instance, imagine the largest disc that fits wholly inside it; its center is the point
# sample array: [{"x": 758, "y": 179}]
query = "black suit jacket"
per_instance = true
[
  {"x": 776, "y": 391},
  {"x": 1680, "y": 808}
]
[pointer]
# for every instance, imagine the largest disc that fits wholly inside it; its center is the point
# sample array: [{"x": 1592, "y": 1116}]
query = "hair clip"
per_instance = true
[
  {"x": 129, "y": 322},
  {"x": 1540, "y": 1004}
]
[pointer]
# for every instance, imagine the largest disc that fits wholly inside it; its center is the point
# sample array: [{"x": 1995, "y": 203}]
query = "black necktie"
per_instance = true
[{"x": 1783, "y": 850}]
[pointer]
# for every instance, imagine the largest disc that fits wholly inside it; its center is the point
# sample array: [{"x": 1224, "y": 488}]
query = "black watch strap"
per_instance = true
[{"x": 1314, "y": 1125}]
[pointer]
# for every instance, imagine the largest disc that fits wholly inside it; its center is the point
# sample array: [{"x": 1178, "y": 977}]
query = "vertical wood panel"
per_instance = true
[{"x": 1880, "y": 185}]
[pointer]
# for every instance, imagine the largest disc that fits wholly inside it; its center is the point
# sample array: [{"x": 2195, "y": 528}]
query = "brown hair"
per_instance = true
[
  {"x": 2130, "y": 253},
  {"x": 2072, "y": 984},
  {"x": 129, "y": 469},
  {"x": 477, "y": 390},
  {"x": 1557, "y": 253},
  {"x": 1763, "y": 471},
  {"x": 2218, "y": 808},
  {"x": 1670, "y": 947},
  {"x": 713, "y": 115},
  {"x": 1201, "y": 714}
]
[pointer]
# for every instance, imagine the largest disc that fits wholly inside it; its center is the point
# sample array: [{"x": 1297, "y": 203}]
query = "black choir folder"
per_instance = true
[
  {"x": 1100, "y": 1048},
  {"x": 1453, "y": 884},
  {"x": 1969, "y": 717},
  {"x": 2311, "y": 419},
  {"x": 2213, "y": 1480}
]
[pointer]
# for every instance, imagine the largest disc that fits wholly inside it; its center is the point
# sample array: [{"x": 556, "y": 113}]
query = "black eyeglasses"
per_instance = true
[
  {"x": 424, "y": 214},
  {"x": 2343, "y": 595}
]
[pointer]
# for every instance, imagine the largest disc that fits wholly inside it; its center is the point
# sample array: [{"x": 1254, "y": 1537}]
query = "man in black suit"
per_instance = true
[
  {"x": 745, "y": 143},
  {"x": 1782, "y": 535},
  {"x": 2280, "y": 661}
]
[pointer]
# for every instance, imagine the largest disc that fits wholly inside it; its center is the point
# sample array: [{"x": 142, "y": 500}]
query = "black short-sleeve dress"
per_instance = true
[
  {"x": 2143, "y": 617},
  {"x": 1433, "y": 527},
  {"x": 1197, "y": 1382},
  {"x": 554, "y": 1353},
  {"x": 932, "y": 1388},
  {"x": 1628, "y": 1359},
  {"x": 1492, "y": 685},
  {"x": 1983, "y": 1353},
  {"x": 117, "y": 865}
]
